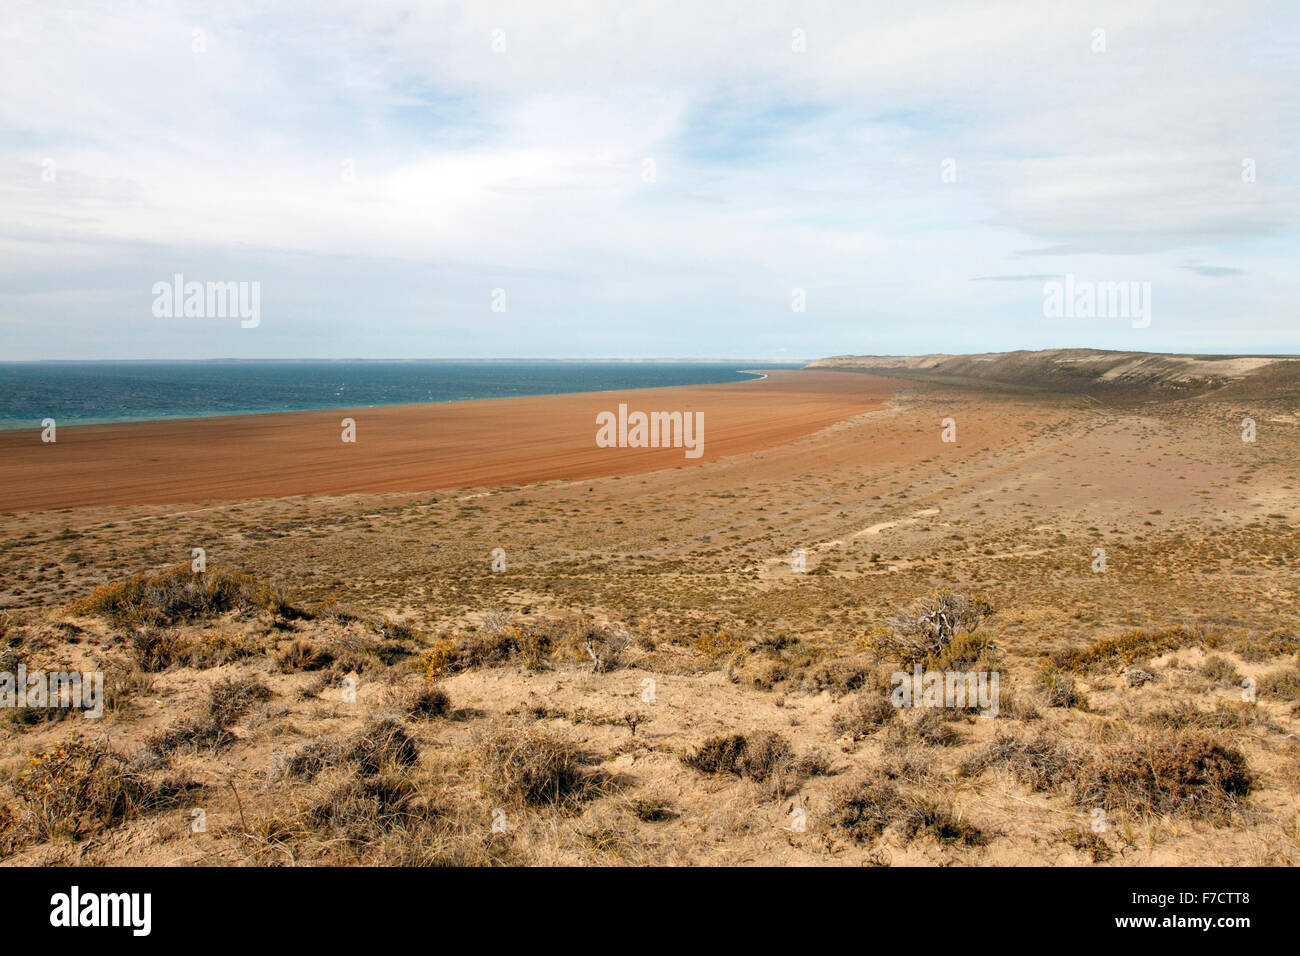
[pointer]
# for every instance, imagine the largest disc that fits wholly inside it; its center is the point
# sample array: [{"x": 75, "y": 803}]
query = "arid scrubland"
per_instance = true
[{"x": 649, "y": 680}]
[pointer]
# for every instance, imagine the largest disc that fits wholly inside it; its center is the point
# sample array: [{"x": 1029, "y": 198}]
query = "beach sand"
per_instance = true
[{"x": 408, "y": 447}]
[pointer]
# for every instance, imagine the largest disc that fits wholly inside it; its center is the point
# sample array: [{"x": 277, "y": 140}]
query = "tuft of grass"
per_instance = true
[
  {"x": 428, "y": 702},
  {"x": 1185, "y": 715},
  {"x": 1040, "y": 763},
  {"x": 863, "y": 716},
  {"x": 1222, "y": 671},
  {"x": 383, "y": 742},
  {"x": 531, "y": 766},
  {"x": 754, "y": 756},
  {"x": 1283, "y": 684},
  {"x": 302, "y": 655},
  {"x": 230, "y": 699},
  {"x": 1055, "y": 685},
  {"x": 863, "y": 809}
]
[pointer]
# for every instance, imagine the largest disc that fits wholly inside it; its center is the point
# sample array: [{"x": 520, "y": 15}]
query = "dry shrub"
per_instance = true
[
  {"x": 427, "y": 702},
  {"x": 363, "y": 652},
  {"x": 230, "y": 699},
  {"x": 924, "y": 632},
  {"x": 1221, "y": 670},
  {"x": 925, "y": 726},
  {"x": 1124, "y": 650},
  {"x": 303, "y": 655},
  {"x": 1039, "y": 763},
  {"x": 1283, "y": 684},
  {"x": 1187, "y": 772},
  {"x": 179, "y": 594},
  {"x": 486, "y": 648},
  {"x": 532, "y": 766},
  {"x": 754, "y": 756},
  {"x": 382, "y": 742},
  {"x": 863, "y": 716},
  {"x": 1057, "y": 689},
  {"x": 187, "y": 735},
  {"x": 863, "y": 809},
  {"x": 842, "y": 675},
  {"x": 155, "y": 649},
  {"x": 75, "y": 789},
  {"x": 360, "y": 809}
]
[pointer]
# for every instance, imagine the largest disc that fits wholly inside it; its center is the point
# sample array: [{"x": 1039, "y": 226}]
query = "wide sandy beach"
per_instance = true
[{"x": 408, "y": 447}]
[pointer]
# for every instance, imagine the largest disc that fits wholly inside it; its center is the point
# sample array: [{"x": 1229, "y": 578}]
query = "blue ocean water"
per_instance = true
[{"x": 95, "y": 392}]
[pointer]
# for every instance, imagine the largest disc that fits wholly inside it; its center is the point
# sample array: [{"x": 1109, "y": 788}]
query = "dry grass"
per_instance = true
[
  {"x": 179, "y": 595},
  {"x": 1040, "y": 763},
  {"x": 754, "y": 756},
  {"x": 1172, "y": 772},
  {"x": 864, "y": 809},
  {"x": 530, "y": 766},
  {"x": 73, "y": 790}
]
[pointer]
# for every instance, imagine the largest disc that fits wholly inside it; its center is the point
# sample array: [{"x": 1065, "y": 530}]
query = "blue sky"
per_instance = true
[{"x": 646, "y": 179}]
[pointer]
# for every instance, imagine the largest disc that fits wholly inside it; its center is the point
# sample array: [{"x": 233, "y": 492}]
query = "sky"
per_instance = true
[{"x": 545, "y": 178}]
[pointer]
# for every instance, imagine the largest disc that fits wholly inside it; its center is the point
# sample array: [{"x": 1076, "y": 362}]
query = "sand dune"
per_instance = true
[{"x": 408, "y": 447}]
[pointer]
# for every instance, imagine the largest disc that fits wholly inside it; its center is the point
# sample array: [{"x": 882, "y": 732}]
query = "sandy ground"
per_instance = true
[
  {"x": 1199, "y": 529},
  {"x": 407, "y": 447}
]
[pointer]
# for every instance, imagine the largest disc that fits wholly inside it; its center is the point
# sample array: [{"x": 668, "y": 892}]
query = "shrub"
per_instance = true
[
  {"x": 76, "y": 789},
  {"x": 1221, "y": 670},
  {"x": 1056, "y": 687},
  {"x": 428, "y": 702},
  {"x": 302, "y": 655},
  {"x": 1126, "y": 649},
  {"x": 531, "y": 766},
  {"x": 924, "y": 725},
  {"x": 155, "y": 649},
  {"x": 841, "y": 675},
  {"x": 1039, "y": 763},
  {"x": 380, "y": 743},
  {"x": 230, "y": 699},
  {"x": 924, "y": 631},
  {"x": 863, "y": 716},
  {"x": 1283, "y": 684},
  {"x": 438, "y": 660},
  {"x": 187, "y": 735},
  {"x": 178, "y": 595},
  {"x": 1173, "y": 772},
  {"x": 863, "y": 809},
  {"x": 755, "y": 756}
]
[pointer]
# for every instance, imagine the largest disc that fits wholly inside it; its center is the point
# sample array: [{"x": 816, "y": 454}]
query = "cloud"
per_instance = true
[{"x": 638, "y": 176}]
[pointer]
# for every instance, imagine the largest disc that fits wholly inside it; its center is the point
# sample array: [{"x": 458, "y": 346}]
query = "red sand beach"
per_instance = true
[{"x": 409, "y": 447}]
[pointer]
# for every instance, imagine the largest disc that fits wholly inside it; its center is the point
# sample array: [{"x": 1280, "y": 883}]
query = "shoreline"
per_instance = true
[
  {"x": 409, "y": 447},
  {"x": 23, "y": 424}
]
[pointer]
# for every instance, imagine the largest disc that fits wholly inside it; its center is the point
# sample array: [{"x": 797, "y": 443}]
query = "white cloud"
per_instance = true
[{"x": 772, "y": 168}]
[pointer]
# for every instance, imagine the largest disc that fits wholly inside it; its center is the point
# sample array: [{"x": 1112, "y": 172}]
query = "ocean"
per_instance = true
[{"x": 84, "y": 393}]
